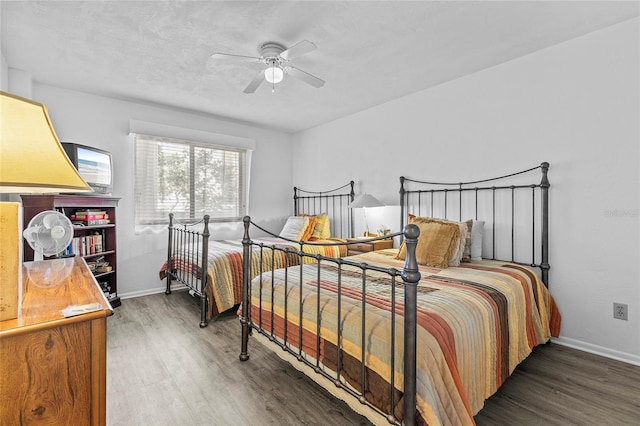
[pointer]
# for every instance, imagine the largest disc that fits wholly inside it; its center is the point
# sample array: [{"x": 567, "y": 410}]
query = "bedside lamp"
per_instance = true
[
  {"x": 365, "y": 201},
  {"x": 31, "y": 161}
]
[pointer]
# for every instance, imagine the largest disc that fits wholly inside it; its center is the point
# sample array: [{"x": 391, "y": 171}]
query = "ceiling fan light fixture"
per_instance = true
[{"x": 274, "y": 74}]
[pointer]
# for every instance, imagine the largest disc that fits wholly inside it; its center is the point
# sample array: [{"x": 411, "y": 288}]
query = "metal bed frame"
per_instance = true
[
  {"x": 465, "y": 198},
  {"x": 333, "y": 202},
  {"x": 409, "y": 277},
  {"x": 191, "y": 246}
]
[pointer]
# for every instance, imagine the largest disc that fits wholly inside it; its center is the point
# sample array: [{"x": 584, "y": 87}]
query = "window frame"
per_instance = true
[{"x": 148, "y": 214}]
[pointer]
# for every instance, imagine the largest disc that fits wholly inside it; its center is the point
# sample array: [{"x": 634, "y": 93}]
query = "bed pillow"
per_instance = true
[
  {"x": 308, "y": 232},
  {"x": 458, "y": 251},
  {"x": 477, "y": 232},
  {"x": 294, "y": 227},
  {"x": 464, "y": 243},
  {"x": 322, "y": 229},
  {"x": 438, "y": 242},
  {"x": 466, "y": 254}
]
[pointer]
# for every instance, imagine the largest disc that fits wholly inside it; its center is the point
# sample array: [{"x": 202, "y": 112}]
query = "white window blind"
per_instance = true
[{"x": 189, "y": 179}]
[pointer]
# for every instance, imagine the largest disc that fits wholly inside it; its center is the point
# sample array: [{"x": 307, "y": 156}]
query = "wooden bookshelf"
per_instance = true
[{"x": 69, "y": 205}]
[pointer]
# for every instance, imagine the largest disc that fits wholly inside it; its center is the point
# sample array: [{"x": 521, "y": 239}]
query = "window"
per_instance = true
[{"x": 189, "y": 179}]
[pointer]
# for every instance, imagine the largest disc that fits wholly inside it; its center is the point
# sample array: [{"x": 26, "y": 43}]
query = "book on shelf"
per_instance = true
[
  {"x": 86, "y": 245},
  {"x": 90, "y": 211},
  {"x": 89, "y": 216},
  {"x": 89, "y": 222}
]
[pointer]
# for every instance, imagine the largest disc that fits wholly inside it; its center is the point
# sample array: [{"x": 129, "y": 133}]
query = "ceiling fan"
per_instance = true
[{"x": 276, "y": 59}]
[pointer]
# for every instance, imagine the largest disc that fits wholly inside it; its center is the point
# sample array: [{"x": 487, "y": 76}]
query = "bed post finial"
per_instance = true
[
  {"x": 205, "y": 231},
  {"x": 545, "y": 179},
  {"x": 410, "y": 276},
  {"x": 246, "y": 265},
  {"x": 544, "y": 190}
]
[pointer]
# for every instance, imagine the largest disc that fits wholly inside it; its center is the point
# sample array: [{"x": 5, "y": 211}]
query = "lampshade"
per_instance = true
[
  {"x": 31, "y": 157},
  {"x": 365, "y": 200},
  {"x": 273, "y": 74}
]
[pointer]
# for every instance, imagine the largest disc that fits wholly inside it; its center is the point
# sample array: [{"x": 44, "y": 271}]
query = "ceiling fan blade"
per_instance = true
[
  {"x": 257, "y": 81},
  {"x": 302, "y": 48},
  {"x": 304, "y": 76},
  {"x": 215, "y": 55}
]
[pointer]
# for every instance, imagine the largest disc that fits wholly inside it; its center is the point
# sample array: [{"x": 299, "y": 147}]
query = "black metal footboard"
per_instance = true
[
  {"x": 187, "y": 260},
  {"x": 331, "y": 273}
]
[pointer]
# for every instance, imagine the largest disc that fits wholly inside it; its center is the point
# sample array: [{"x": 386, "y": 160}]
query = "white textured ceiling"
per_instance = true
[{"x": 368, "y": 52}]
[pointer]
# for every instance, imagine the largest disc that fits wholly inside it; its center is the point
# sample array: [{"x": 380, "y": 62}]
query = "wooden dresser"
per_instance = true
[{"x": 52, "y": 368}]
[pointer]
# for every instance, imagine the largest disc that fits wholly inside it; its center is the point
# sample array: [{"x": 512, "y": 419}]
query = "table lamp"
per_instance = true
[
  {"x": 365, "y": 201},
  {"x": 31, "y": 161}
]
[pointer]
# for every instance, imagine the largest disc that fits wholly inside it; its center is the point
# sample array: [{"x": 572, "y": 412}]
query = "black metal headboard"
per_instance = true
[
  {"x": 515, "y": 211},
  {"x": 334, "y": 202}
]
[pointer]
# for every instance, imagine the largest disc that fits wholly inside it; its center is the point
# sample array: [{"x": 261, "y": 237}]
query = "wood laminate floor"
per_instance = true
[{"x": 164, "y": 370}]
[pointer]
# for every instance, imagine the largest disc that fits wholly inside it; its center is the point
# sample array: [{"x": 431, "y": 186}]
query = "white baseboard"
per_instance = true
[
  {"x": 598, "y": 350},
  {"x": 147, "y": 292}
]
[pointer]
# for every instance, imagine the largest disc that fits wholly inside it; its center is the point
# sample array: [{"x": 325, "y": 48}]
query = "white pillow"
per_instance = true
[
  {"x": 477, "y": 231},
  {"x": 295, "y": 227}
]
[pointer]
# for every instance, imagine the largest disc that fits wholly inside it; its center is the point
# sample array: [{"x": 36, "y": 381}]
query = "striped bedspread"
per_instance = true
[
  {"x": 476, "y": 322},
  {"x": 224, "y": 282}
]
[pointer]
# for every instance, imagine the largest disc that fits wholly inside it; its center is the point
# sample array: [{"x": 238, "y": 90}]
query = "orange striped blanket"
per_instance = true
[
  {"x": 224, "y": 279},
  {"x": 476, "y": 323}
]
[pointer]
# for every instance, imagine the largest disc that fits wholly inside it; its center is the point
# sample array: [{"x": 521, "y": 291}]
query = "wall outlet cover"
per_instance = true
[{"x": 620, "y": 311}]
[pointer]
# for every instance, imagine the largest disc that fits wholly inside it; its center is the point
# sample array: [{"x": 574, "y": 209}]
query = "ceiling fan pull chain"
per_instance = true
[{"x": 273, "y": 83}]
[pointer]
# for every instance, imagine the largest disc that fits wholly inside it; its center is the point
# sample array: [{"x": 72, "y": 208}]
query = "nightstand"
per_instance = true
[{"x": 357, "y": 246}]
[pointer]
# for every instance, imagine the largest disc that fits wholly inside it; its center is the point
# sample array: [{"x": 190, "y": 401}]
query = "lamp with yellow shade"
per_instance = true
[{"x": 32, "y": 160}]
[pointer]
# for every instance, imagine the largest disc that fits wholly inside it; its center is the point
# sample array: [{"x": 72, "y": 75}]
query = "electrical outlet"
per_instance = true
[{"x": 620, "y": 311}]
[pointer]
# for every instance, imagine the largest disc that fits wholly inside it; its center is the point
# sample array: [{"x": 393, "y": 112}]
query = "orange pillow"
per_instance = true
[
  {"x": 438, "y": 242},
  {"x": 322, "y": 229},
  {"x": 310, "y": 227}
]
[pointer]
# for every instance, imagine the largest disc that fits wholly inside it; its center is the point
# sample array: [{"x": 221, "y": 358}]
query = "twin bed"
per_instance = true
[
  {"x": 423, "y": 333},
  {"x": 191, "y": 251}
]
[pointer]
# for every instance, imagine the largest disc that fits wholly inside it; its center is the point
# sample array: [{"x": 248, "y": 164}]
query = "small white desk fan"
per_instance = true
[{"x": 48, "y": 233}]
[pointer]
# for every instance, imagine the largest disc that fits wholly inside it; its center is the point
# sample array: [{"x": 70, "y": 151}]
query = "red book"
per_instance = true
[{"x": 89, "y": 216}]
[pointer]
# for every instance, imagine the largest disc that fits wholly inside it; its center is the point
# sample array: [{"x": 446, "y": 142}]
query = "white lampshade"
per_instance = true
[
  {"x": 365, "y": 200},
  {"x": 31, "y": 157},
  {"x": 274, "y": 74}
]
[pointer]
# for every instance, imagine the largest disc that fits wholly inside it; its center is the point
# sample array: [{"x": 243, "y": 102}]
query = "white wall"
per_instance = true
[
  {"x": 575, "y": 105},
  {"x": 4, "y": 73},
  {"x": 104, "y": 123}
]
